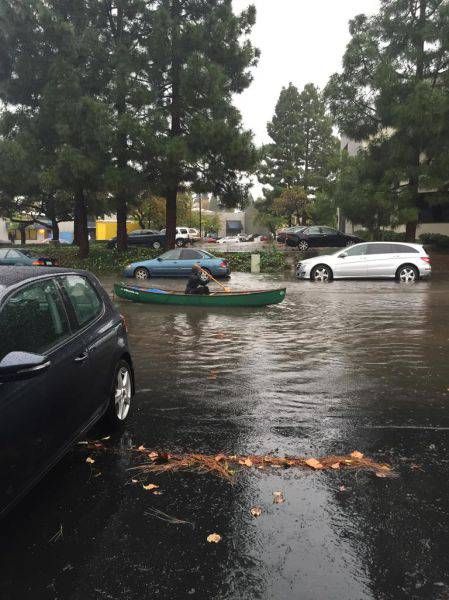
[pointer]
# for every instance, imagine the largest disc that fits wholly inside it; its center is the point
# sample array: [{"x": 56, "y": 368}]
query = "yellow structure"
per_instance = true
[{"x": 105, "y": 230}]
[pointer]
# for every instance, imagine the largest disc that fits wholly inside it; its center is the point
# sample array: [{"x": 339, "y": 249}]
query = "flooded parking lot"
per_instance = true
[{"x": 335, "y": 368}]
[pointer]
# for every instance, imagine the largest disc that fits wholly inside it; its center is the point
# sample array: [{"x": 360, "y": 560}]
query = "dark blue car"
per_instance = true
[{"x": 64, "y": 364}]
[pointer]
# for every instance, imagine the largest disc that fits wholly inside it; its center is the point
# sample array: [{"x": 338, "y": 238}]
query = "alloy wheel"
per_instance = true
[
  {"x": 123, "y": 393},
  {"x": 321, "y": 274},
  {"x": 303, "y": 245},
  {"x": 156, "y": 245},
  {"x": 407, "y": 274},
  {"x": 141, "y": 273}
]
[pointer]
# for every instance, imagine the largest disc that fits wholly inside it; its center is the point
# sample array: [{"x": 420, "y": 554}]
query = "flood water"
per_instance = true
[{"x": 337, "y": 367}]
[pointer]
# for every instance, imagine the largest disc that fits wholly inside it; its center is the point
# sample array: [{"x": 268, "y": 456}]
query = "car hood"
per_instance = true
[{"x": 317, "y": 258}]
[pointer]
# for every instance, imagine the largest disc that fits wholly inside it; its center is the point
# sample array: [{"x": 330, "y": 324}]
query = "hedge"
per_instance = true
[
  {"x": 437, "y": 240},
  {"x": 105, "y": 260}
]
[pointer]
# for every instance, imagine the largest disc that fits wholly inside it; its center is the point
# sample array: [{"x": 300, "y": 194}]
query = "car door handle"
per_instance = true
[{"x": 82, "y": 357}]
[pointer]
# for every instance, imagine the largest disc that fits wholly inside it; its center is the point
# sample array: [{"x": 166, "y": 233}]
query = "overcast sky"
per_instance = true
[{"x": 301, "y": 41}]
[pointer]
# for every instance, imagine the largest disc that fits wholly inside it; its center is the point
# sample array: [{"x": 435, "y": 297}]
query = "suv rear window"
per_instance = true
[
  {"x": 391, "y": 249},
  {"x": 83, "y": 298}
]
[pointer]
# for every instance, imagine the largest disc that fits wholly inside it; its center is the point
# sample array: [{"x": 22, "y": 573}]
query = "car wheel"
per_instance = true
[
  {"x": 156, "y": 245},
  {"x": 321, "y": 273},
  {"x": 141, "y": 273},
  {"x": 121, "y": 394},
  {"x": 303, "y": 245},
  {"x": 180, "y": 242},
  {"x": 407, "y": 274}
]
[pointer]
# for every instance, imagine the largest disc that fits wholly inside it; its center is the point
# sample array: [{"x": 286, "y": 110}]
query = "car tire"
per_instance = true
[
  {"x": 142, "y": 273},
  {"x": 321, "y": 273},
  {"x": 407, "y": 274},
  {"x": 303, "y": 245},
  {"x": 122, "y": 391},
  {"x": 156, "y": 245},
  {"x": 180, "y": 242}
]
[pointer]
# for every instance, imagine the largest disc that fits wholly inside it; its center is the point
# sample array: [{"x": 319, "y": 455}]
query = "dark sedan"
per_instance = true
[
  {"x": 320, "y": 237},
  {"x": 147, "y": 238},
  {"x": 20, "y": 258},
  {"x": 64, "y": 364}
]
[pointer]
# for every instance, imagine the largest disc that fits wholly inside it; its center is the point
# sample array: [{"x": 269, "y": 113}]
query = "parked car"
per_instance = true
[
  {"x": 400, "y": 261},
  {"x": 281, "y": 235},
  {"x": 64, "y": 364},
  {"x": 230, "y": 239},
  {"x": 24, "y": 258},
  {"x": 320, "y": 237},
  {"x": 148, "y": 238},
  {"x": 210, "y": 238},
  {"x": 188, "y": 234},
  {"x": 178, "y": 263}
]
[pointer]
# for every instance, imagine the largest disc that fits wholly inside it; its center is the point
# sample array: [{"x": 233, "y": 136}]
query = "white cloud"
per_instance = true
[{"x": 301, "y": 41}]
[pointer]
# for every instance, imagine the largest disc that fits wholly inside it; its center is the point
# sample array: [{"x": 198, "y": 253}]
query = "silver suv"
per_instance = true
[{"x": 395, "y": 260}]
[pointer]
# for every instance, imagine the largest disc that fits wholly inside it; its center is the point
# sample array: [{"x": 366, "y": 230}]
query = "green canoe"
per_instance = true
[{"x": 157, "y": 296}]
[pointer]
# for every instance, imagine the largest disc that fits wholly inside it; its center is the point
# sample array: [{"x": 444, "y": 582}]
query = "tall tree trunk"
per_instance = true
[
  {"x": 170, "y": 225},
  {"x": 51, "y": 213},
  {"x": 175, "y": 126},
  {"x": 23, "y": 237},
  {"x": 81, "y": 232},
  {"x": 122, "y": 215}
]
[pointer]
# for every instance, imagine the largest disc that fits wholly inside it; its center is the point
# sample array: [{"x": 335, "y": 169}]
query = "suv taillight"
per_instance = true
[
  {"x": 426, "y": 259},
  {"x": 224, "y": 264}
]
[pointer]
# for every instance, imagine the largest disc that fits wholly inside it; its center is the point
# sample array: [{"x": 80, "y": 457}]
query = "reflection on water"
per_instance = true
[{"x": 337, "y": 367}]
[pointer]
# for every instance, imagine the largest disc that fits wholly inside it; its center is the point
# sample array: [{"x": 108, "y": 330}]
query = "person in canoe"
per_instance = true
[{"x": 197, "y": 284}]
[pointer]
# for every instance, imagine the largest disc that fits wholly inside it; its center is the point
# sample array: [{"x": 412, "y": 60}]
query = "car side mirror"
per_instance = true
[
  {"x": 344, "y": 255},
  {"x": 17, "y": 366},
  {"x": 159, "y": 259}
]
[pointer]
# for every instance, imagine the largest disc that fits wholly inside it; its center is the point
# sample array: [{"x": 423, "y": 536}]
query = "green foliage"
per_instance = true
[
  {"x": 292, "y": 202},
  {"x": 103, "y": 260},
  {"x": 303, "y": 152},
  {"x": 436, "y": 240},
  {"x": 322, "y": 210},
  {"x": 394, "y": 90},
  {"x": 384, "y": 235}
]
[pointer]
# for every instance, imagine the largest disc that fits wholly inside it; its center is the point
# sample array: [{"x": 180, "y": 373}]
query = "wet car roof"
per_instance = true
[{"x": 10, "y": 276}]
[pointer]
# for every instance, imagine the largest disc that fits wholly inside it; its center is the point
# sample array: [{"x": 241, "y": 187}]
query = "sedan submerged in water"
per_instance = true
[{"x": 178, "y": 263}]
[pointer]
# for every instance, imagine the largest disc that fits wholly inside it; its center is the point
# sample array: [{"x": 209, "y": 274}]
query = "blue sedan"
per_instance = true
[{"x": 178, "y": 263}]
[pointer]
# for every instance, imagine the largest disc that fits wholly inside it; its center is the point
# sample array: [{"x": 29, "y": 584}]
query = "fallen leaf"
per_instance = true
[
  {"x": 278, "y": 498},
  {"x": 150, "y": 486},
  {"x": 153, "y": 455},
  {"x": 98, "y": 474},
  {"x": 157, "y": 493},
  {"x": 134, "y": 481},
  {"x": 313, "y": 463},
  {"x": 141, "y": 448},
  {"x": 248, "y": 462},
  {"x": 98, "y": 445},
  {"x": 256, "y": 511},
  {"x": 214, "y": 538},
  {"x": 335, "y": 465},
  {"x": 356, "y": 454},
  {"x": 220, "y": 457},
  {"x": 342, "y": 488},
  {"x": 107, "y": 437},
  {"x": 380, "y": 474},
  {"x": 90, "y": 460}
]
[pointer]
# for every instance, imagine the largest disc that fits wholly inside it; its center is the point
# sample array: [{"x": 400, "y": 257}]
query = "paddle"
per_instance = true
[{"x": 226, "y": 289}]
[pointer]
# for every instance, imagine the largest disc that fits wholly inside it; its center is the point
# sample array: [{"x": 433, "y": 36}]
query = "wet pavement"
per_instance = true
[{"x": 337, "y": 367}]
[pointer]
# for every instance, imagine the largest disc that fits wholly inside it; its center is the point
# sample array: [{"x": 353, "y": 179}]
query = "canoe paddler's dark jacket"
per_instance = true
[{"x": 196, "y": 282}]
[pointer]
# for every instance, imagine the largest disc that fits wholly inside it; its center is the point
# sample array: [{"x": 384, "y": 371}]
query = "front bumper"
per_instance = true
[{"x": 302, "y": 271}]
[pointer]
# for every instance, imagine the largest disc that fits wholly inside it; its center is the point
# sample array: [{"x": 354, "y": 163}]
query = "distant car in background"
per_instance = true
[
  {"x": 234, "y": 239},
  {"x": 147, "y": 238},
  {"x": 178, "y": 263},
  {"x": 188, "y": 234},
  {"x": 210, "y": 238},
  {"x": 24, "y": 258},
  {"x": 61, "y": 241},
  {"x": 318, "y": 236}
]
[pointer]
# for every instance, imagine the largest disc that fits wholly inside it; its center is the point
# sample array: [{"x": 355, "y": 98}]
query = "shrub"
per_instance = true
[
  {"x": 437, "y": 240},
  {"x": 385, "y": 235}
]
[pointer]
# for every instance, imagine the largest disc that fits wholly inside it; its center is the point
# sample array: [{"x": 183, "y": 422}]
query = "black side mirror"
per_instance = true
[
  {"x": 17, "y": 366},
  {"x": 159, "y": 259},
  {"x": 344, "y": 255}
]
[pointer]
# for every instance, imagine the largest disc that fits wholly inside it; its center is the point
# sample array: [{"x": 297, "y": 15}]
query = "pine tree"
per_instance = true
[
  {"x": 200, "y": 58},
  {"x": 303, "y": 151},
  {"x": 394, "y": 91}
]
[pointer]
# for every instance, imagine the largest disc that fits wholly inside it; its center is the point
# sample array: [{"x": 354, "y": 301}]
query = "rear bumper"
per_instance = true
[{"x": 128, "y": 272}]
